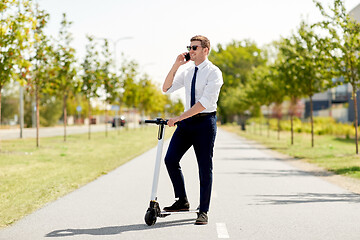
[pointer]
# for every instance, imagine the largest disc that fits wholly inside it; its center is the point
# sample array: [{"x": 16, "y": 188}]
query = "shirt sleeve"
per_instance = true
[
  {"x": 179, "y": 82},
  {"x": 212, "y": 89}
]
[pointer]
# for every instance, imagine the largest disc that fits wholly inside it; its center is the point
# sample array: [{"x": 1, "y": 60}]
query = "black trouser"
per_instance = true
[{"x": 199, "y": 132}]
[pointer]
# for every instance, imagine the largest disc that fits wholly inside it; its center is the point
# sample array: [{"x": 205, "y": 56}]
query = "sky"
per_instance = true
[{"x": 156, "y": 31}]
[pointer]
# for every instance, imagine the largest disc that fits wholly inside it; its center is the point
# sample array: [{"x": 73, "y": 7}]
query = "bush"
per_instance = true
[
  {"x": 324, "y": 120},
  {"x": 322, "y": 126}
]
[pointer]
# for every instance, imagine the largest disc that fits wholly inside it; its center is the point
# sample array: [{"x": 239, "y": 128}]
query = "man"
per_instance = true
[{"x": 197, "y": 125}]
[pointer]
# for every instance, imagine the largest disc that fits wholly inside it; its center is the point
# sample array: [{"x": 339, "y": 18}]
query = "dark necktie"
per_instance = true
[{"x": 193, "y": 88}]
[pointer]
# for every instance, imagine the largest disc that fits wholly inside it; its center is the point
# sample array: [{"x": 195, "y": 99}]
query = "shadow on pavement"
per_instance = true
[
  {"x": 307, "y": 198},
  {"x": 256, "y": 159},
  {"x": 249, "y": 148},
  {"x": 281, "y": 173},
  {"x": 117, "y": 229}
]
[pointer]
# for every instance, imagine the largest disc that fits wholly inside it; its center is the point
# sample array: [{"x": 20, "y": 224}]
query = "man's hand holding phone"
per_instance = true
[{"x": 183, "y": 58}]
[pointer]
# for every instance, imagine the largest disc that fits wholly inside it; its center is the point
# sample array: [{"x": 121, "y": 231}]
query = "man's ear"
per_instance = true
[{"x": 207, "y": 51}]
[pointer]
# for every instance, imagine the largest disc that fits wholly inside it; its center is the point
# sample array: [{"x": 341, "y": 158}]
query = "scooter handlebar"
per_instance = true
[
  {"x": 150, "y": 121},
  {"x": 158, "y": 121}
]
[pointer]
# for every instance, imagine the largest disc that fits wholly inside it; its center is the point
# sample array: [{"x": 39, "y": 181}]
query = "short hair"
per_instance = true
[{"x": 205, "y": 42}]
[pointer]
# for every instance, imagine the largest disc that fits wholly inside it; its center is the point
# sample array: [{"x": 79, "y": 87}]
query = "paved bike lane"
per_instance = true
[{"x": 256, "y": 195}]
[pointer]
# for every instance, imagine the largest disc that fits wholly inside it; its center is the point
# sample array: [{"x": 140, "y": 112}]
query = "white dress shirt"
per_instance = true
[{"x": 208, "y": 83}]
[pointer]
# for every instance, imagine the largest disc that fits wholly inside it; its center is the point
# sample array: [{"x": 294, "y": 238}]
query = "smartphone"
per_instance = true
[{"x": 187, "y": 56}]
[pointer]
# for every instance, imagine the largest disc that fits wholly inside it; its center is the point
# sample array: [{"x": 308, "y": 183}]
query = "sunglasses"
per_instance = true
[{"x": 194, "y": 47}]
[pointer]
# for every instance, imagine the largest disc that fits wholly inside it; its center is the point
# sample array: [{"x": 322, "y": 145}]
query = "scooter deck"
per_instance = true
[{"x": 165, "y": 213}]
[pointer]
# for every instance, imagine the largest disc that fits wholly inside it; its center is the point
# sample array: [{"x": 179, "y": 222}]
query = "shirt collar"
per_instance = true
[{"x": 203, "y": 64}]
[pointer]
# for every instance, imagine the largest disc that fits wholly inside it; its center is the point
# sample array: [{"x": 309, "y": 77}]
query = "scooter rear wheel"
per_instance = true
[{"x": 150, "y": 217}]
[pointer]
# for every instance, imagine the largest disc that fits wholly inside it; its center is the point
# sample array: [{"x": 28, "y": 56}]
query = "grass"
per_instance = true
[
  {"x": 330, "y": 152},
  {"x": 30, "y": 177}
]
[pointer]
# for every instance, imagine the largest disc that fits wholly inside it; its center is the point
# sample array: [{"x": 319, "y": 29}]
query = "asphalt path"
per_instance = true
[{"x": 256, "y": 195}]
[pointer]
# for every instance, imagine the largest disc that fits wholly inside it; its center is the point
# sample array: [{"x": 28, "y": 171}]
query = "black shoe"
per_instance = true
[
  {"x": 178, "y": 206},
  {"x": 202, "y": 219}
]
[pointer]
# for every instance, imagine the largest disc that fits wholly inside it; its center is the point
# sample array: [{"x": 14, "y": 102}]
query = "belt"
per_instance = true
[{"x": 204, "y": 114}]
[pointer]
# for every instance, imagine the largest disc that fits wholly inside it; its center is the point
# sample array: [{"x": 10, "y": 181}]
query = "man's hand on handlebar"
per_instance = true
[{"x": 172, "y": 121}]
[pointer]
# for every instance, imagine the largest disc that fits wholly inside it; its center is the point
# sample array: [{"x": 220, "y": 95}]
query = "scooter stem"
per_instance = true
[{"x": 161, "y": 134}]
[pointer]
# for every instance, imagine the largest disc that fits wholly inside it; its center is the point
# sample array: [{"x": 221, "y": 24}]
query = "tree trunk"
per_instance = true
[
  {"x": 292, "y": 128},
  {"x": 292, "y": 113},
  {"x": 278, "y": 123},
  {"x": 312, "y": 122},
  {"x": 356, "y": 120},
  {"x": 37, "y": 115},
  {"x": 330, "y": 103},
  {"x": 0, "y": 110},
  {"x": 268, "y": 122},
  {"x": 65, "y": 115},
  {"x": 89, "y": 119},
  {"x": 0, "y": 103},
  {"x": 106, "y": 127}
]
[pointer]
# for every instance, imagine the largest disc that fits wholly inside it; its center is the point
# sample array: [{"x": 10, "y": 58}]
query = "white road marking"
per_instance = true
[{"x": 221, "y": 230}]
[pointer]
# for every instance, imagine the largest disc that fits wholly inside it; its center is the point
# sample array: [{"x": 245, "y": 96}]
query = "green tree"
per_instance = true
[
  {"x": 286, "y": 64},
  {"x": 161, "y": 103},
  {"x": 175, "y": 108},
  {"x": 151, "y": 100},
  {"x": 275, "y": 87},
  {"x": 110, "y": 81},
  {"x": 130, "y": 96},
  {"x": 342, "y": 44},
  {"x": 41, "y": 62},
  {"x": 311, "y": 67},
  {"x": 63, "y": 82},
  {"x": 236, "y": 61},
  {"x": 14, "y": 30},
  {"x": 234, "y": 102},
  {"x": 91, "y": 79},
  {"x": 264, "y": 89}
]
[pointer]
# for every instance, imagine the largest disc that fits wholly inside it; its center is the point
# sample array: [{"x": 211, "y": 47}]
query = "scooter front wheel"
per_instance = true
[{"x": 150, "y": 217}]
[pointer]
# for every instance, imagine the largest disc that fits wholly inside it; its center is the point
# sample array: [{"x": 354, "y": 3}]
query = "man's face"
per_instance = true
[{"x": 199, "y": 54}]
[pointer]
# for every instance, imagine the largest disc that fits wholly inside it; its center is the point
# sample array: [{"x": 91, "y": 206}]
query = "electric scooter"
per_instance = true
[{"x": 153, "y": 212}]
